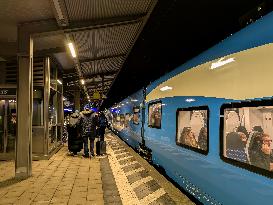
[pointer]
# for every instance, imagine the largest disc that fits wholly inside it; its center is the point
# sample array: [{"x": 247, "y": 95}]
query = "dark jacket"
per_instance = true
[
  {"x": 260, "y": 159},
  {"x": 235, "y": 147},
  {"x": 88, "y": 124}
]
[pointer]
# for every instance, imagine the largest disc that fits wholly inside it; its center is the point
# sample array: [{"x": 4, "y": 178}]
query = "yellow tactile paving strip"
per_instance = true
[{"x": 125, "y": 163}]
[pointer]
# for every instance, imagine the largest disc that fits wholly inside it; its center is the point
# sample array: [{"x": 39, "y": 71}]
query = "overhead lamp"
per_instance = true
[
  {"x": 64, "y": 99},
  {"x": 165, "y": 88},
  {"x": 190, "y": 100},
  {"x": 82, "y": 81},
  {"x": 72, "y": 50},
  {"x": 60, "y": 82},
  {"x": 221, "y": 62}
]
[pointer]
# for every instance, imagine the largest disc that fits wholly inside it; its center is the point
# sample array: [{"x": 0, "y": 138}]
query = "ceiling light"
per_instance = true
[
  {"x": 60, "y": 82},
  {"x": 190, "y": 100},
  {"x": 221, "y": 62},
  {"x": 133, "y": 100},
  {"x": 82, "y": 81},
  {"x": 72, "y": 50},
  {"x": 165, "y": 88}
]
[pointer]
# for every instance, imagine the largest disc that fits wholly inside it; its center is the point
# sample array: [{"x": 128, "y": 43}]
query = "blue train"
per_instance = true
[{"x": 209, "y": 123}]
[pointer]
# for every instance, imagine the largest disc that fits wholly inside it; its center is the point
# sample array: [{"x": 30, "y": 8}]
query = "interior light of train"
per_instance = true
[
  {"x": 82, "y": 81},
  {"x": 190, "y": 100},
  {"x": 165, "y": 88},
  {"x": 221, "y": 62},
  {"x": 66, "y": 109},
  {"x": 72, "y": 50},
  {"x": 60, "y": 82}
]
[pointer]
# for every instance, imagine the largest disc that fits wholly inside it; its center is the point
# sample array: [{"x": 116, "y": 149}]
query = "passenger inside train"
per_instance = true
[{"x": 248, "y": 135}]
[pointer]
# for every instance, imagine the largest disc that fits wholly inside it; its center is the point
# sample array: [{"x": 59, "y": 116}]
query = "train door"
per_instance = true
[{"x": 7, "y": 128}]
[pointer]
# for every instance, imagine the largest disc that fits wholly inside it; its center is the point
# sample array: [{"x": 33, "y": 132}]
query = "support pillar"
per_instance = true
[
  {"x": 77, "y": 100},
  {"x": 23, "y": 148},
  {"x": 46, "y": 102}
]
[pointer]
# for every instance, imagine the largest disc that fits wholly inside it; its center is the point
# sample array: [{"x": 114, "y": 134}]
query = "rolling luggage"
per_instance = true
[{"x": 100, "y": 147}]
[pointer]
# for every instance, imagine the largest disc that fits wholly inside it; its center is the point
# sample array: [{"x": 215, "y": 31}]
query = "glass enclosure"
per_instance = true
[
  {"x": 38, "y": 103},
  {"x": 7, "y": 126}
]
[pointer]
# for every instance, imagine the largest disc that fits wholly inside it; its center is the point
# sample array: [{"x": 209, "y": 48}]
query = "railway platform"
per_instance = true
[{"x": 120, "y": 177}]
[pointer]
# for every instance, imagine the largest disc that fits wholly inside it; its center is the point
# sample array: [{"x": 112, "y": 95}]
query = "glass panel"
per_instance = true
[
  {"x": 37, "y": 119},
  {"x": 192, "y": 128},
  {"x": 248, "y": 135},
  {"x": 11, "y": 125},
  {"x": 2, "y": 116},
  {"x": 136, "y": 115},
  {"x": 52, "y": 109},
  {"x": 155, "y": 115}
]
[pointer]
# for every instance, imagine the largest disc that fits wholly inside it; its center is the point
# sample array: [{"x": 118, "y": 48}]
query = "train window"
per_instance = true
[
  {"x": 246, "y": 135},
  {"x": 155, "y": 113},
  {"x": 192, "y": 128},
  {"x": 127, "y": 119},
  {"x": 136, "y": 115}
]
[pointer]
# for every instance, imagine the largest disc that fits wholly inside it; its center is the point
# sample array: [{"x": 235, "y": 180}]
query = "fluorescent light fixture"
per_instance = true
[
  {"x": 165, "y": 88},
  {"x": 60, "y": 82},
  {"x": 82, "y": 81},
  {"x": 190, "y": 100},
  {"x": 133, "y": 100},
  {"x": 72, "y": 50},
  {"x": 221, "y": 62}
]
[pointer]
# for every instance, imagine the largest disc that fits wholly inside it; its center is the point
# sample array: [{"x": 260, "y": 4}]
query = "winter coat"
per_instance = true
[{"x": 88, "y": 124}]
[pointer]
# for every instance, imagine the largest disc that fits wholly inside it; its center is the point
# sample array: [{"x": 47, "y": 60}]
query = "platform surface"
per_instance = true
[{"x": 120, "y": 177}]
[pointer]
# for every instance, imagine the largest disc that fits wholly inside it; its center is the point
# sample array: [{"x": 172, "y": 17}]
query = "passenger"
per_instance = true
[
  {"x": 260, "y": 155},
  {"x": 102, "y": 125},
  {"x": 88, "y": 124},
  {"x": 74, "y": 141},
  {"x": 256, "y": 130},
  {"x": 242, "y": 131},
  {"x": 187, "y": 137},
  {"x": 235, "y": 147},
  {"x": 202, "y": 138}
]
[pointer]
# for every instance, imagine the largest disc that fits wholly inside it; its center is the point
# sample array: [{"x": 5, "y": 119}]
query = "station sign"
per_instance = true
[{"x": 7, "y": 91}]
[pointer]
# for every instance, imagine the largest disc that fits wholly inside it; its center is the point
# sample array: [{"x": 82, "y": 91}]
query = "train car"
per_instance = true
[{"x": 209, "y": 122}]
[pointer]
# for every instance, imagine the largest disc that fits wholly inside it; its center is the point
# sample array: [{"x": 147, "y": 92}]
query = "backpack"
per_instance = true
[{"x": 103, "y": 121}]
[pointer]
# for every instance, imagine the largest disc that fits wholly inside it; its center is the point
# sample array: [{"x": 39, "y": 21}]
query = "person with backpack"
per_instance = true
[
  {"x": 102, "y": 126},
  {"x": 101, "y": 144},
  {"x": 88, "y": 123}
]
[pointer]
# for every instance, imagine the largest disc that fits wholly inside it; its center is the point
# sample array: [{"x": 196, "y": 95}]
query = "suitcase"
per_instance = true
[
  {"x": 100, "y": 147},
  {"x": 76, "y": 145}
]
